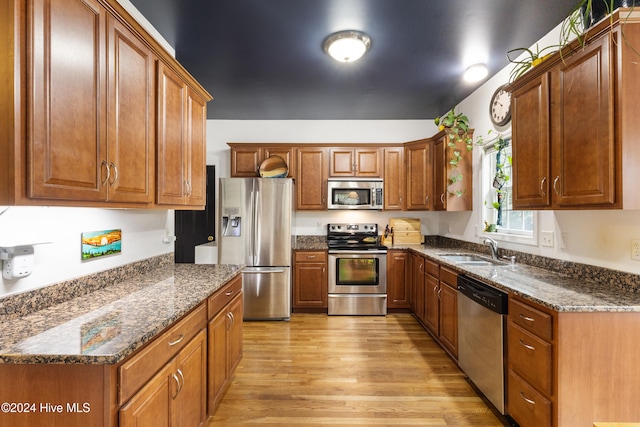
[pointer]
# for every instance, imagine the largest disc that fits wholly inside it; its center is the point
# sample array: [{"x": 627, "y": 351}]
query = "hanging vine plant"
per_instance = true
[
  {"x": 500, "y": 178},
  {"x": 459, "y": 137}
]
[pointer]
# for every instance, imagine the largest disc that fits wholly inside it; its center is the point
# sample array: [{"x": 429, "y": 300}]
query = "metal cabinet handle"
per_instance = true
[
  {"x": 436, "y": 291},
  {"x": 180, "y": 338},
  {"x": 311, "y": 256},
  {"x": 532, "y": 402},
  {"x": 175, "y": 378},
  {"x": 442, "y": 198},
  {"x": 542, "y": 192},
  {"x": 555, "y": 181},
  {"x": 439, "y": 292},
  {"x": 527, "y": 346},
  {"x": 426, "y": 199},
  {"x": 421, "y": 269},
  {"x": 182, "y": 378},
  {"x": 527, "y": 318},
  {"x": 106, "y": 165},
  {"x": 231, "y": 318},
  {"x": 115, "y": 175}
]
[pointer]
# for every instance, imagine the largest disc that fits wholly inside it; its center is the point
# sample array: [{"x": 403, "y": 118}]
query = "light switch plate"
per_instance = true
[
  {"x": 635, "y": 249},
  {"x": 546, "y": 238}
]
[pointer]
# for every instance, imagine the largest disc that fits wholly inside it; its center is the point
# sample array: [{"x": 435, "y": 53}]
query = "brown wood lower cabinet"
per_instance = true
[
  {"x": 224, "y": 340},
  {"x": 398, "y": 290},
  {"x": 175, "y": 396},
  {"x": 571, "y": 368},
  {"x": 310, "y": 280},
  {"x": 165, "y": 383}
]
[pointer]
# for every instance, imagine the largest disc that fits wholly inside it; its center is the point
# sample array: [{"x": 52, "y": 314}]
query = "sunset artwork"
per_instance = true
[{"x": 99, "y": 243}]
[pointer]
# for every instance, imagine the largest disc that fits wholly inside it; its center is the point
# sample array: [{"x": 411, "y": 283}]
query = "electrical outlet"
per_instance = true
[
  {"x": 635, "y": 249},
  {"x": 547, "y": 238}
]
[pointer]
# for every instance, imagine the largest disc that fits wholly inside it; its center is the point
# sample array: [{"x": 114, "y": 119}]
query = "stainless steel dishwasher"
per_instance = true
[{"x": 482, "y": 313}]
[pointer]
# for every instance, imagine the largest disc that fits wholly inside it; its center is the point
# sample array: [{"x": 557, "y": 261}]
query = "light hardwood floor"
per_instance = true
[{"x": 354, "y": 371}]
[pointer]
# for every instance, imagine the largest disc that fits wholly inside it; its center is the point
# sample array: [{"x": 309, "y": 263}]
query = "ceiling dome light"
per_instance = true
[
  {"x": 475, "y": 73},
  {"x": 347, "y": 46}
]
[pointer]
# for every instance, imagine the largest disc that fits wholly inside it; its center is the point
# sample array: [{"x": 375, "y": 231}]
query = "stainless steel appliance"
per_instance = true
[
  {"x": 482, "y": 313},
  {"x": 357, "y": 270},
  {"x": 352, "y": 193},
  {"x": 255, "y": 227}
]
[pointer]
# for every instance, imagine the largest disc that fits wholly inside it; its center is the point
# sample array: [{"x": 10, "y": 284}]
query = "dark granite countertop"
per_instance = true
[
  {"x": 133, "y": 311},
  {"x": 559, "y": 292}
]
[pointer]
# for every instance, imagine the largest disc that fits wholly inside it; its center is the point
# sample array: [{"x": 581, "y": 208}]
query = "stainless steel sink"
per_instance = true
[{"x": 468, "y": 259}]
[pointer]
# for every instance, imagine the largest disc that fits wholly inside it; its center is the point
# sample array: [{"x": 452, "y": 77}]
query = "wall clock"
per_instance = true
[{"x": 500, "y": 106}]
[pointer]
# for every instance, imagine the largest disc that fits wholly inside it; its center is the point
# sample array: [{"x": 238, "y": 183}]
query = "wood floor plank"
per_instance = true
[{"x": 320, "y": 370}]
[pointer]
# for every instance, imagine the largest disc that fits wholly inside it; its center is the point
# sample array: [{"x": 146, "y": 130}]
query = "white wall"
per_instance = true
[{"x": 60, "y": 258}]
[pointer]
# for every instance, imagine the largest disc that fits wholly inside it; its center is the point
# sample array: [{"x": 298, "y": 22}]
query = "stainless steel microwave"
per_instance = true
[{"x": 353, "y": 193}]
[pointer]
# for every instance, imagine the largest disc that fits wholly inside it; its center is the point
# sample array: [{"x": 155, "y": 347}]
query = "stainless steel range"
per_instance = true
[{"x": 357, "y": 270}]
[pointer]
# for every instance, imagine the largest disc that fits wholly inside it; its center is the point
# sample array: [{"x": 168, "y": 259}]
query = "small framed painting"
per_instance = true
[{"x": 96, "y": 244}]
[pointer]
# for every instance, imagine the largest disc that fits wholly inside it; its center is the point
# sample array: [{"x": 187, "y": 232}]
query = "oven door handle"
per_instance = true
[{"x": 338, "y": 252}]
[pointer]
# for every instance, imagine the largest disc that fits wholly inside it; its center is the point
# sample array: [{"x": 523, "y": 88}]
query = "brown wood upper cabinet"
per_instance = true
[
  {"x": 419, "y": 175},
  {"x": 574, "y": 126},
  {"x": 394, "y": 178},
  {"x": 356, "y": 162},
  {"x": 181, "y": 165},
  {"x": 81, "y": 127},
  {"x": 87, "y": 143},
  {"x": 246, "y": 158},
  {"x": 311, "y": 184},
  {"x": 452, "y": 196}
]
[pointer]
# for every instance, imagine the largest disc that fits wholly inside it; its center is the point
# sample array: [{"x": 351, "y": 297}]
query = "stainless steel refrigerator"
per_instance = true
[{"x": 255, "y": 229}]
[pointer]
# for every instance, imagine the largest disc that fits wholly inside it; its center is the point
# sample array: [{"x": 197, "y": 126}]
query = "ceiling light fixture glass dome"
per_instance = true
[
  {"x": 475, "y": 73},
  {"x": 347, "y": 46}
]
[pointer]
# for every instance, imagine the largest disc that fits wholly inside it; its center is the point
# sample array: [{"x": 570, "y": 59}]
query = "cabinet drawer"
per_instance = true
[
  {"x": 533, "y": 320},
  {"x": 223, "y": 296},
  {"x": 525, "y": 405},
  {"x": 310, "y": 256},
  {"x": 531, "y": 357},
  {"x": 432, "y": 268},
  {"x": 449, "y": 277},
  {"x": 135, "y": 372}
]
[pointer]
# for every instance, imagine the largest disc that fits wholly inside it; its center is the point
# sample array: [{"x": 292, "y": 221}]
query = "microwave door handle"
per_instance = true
[{"x": 373, "y": 197}]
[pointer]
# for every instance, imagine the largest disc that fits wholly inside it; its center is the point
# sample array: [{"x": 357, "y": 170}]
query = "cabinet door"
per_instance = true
[
  {"x": 368, "y": 162},
  {"x": 418, "y": 157},
  {"x": 196, "y": 163},
  {"x": 449, "y": 318},
  {"x": 191, "y": 370},
  {"x": 152, "y": 405},
  {"x": 245, "y": 161},
  {"x": 397, "y": 283},
  {"x": 217, "y": 359},
  {"x": 234, "y": 335},
  {"x": 172, "y": 147},
  {"x": 287, "y": 155},
  {"x": 394, "y": 177},
  {"x": 342, "y": 162},
  {"x": 439, "y": 175},
  {"x": 531, "y": 182},
  {"x": 583, "y": 161},
  {"x": 66, "y": 84},
  {"x": 310, "y": 285},
  {"x": 131, "y": 117},
  {"x": 417, "y": 282},
  {"x": 311, "y": 188},
  {"x": 432, "y": 304}
]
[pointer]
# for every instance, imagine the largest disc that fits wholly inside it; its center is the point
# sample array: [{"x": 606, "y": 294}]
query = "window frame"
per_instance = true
[{"x": 486, "y": 169}]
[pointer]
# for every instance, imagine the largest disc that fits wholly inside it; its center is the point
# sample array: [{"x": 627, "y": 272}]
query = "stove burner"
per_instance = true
[{"x": 354, "y": 237}]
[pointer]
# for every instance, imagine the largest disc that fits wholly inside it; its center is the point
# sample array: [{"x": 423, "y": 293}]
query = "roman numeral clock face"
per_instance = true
[{"x": 500, "y": 106}]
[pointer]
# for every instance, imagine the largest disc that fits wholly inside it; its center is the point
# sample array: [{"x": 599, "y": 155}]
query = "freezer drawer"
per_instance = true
[{"x": 267, "y": 293}]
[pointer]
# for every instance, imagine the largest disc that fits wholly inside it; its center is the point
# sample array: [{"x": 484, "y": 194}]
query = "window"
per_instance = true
[{"x": 499, "y": 220}]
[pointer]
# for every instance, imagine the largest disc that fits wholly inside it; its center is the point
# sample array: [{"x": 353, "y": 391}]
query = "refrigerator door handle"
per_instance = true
[
  {"x": 255, "y": 225},
  {"x": 262, "y": 270}
]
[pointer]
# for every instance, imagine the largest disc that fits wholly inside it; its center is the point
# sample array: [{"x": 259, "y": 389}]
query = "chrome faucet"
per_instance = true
[{"x": 493, "y": 245}]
